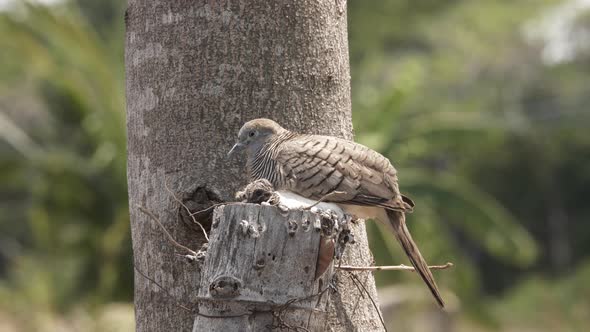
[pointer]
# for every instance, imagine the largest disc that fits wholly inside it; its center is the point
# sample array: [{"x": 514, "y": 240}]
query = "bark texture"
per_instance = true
[{"x": 196, "y": 71}]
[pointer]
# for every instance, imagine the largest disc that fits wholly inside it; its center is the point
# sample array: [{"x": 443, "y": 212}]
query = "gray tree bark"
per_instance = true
[{"x": 196, "y": 71}]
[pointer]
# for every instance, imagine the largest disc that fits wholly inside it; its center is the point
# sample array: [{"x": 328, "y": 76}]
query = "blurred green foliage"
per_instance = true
[
  {"x": 486, "y": 127},
  {"x": 63, "y": 218}
]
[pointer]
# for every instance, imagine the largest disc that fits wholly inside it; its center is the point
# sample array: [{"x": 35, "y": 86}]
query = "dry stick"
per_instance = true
[
  {"x": 206, "y": 209},
  {"x": 320, "y": 295},
  {"x": 289, "y": 327},
  {"x": 326, "y": 196},
  {"x": 184, "y": 307},
  {"x": 151, "y": 215},
  {"x": 358, "y": 300},
  {"x": 401, "y": 267},
  {"x": 281, "y": 309},
  {"x": 163, "y": 289},
  {"x": 230, "y": 316},
  {"x": 187, "y": 209},
  {"x": 358, "y": 283}
]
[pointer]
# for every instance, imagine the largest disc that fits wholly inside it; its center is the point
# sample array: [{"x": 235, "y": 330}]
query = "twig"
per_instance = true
[
  {"x": 185, "y": 307},
  {"x": 360, "y": 297},
  {"x": 248, "y": 313},
  {"x": 401, "y": 267},
  {"x": 301, "y": 299},
  {"x": 188, "y": 309},
  {"x": 279, "y": 311},
  {"x": 326, "y": 196},
  {"x": 358, "y": 283},
  {"x": 163, "y": 289},
  {"x": 187, "y": 210},
  {"x": 206, "y": 209},
  {"x": 151, "y": 215}
]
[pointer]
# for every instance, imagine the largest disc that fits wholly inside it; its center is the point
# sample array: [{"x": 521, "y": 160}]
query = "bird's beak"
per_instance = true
[{"x": 236, "y": 148}]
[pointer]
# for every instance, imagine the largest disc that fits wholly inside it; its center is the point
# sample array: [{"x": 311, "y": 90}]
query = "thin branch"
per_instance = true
[
  {"x": 280, "y": 310},
  {"x": 248, "y": 313},
  {"x": 359, "y": 298},
  {"x": 358, "y": 283},
  {"x": 187, "y": 209},
  {"x": 206, "y": 209},
  {"x": 188, "y": 309},
  {"x": 163, "y": 289},
  {"x": 326, "y": 196},
  {"x": 153, "y": 217},
  {"x": 401, "y": 267}
]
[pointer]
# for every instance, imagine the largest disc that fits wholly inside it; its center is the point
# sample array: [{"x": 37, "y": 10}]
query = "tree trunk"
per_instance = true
[{"x": 196, "y": 71}]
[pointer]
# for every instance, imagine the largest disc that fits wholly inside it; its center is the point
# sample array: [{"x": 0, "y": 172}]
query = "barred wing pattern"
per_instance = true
[{"x": 315, "y": 166}]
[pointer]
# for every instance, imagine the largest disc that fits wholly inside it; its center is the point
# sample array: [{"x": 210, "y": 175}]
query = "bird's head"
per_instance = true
[{"x": 254, "y": 134}]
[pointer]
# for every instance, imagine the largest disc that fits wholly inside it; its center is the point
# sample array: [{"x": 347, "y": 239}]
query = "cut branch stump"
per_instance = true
[{"x": 259, "y": 272}]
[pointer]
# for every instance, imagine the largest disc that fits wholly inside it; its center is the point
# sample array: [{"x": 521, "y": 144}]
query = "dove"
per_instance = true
[{"x": 358, "y": 179}]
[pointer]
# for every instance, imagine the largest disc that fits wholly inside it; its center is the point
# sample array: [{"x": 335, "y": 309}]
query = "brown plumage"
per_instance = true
[{"x": 359, "y": 179}]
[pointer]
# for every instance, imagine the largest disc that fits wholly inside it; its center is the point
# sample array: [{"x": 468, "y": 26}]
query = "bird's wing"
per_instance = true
[{"x": 340, "y": 171}]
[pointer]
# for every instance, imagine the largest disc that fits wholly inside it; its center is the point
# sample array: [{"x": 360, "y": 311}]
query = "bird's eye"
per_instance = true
[{"x": 251, "y": 134}]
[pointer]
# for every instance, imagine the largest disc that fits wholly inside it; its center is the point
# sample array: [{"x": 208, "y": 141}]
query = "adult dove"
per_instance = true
[{"x": 358, "y": 179}]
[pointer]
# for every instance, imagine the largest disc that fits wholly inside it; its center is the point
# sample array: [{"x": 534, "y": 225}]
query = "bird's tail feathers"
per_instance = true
[{"x": 398, "y": 222}]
